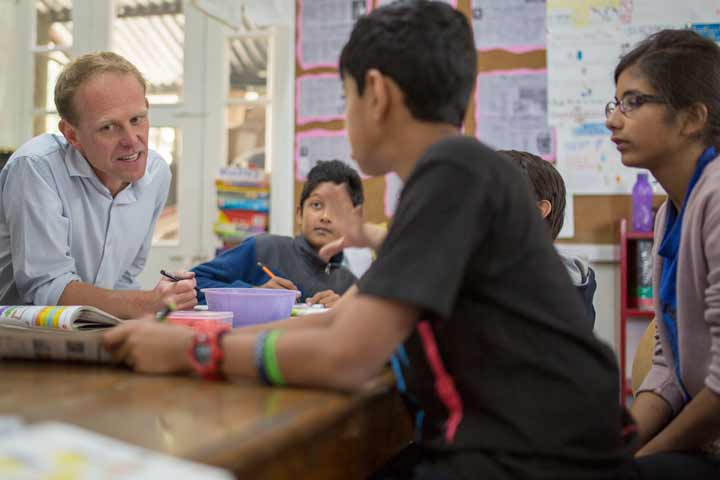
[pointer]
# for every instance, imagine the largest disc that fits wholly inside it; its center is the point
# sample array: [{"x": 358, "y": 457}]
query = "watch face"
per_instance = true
[{"x": 202, "y": 353}]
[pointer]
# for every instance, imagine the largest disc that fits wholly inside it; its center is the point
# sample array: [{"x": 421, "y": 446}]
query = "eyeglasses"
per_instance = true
[{"x": 630, "y": 102}]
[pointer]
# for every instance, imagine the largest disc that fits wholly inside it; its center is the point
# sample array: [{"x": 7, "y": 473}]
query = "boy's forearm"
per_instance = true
[
  {"x": 121, "y": 303},
  {"x": 695, "y": 427},
  {"x": 651, "y": 413}
]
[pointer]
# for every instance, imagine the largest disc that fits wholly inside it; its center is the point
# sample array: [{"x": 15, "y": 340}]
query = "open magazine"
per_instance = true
[{"x": 54, "y": 333}]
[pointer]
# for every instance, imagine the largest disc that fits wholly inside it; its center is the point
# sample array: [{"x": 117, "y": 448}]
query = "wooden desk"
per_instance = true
[{"x": 255, "y": 432}]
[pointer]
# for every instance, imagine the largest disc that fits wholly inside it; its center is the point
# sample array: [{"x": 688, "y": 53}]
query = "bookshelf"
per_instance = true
[{"x": 633, "y": 319}]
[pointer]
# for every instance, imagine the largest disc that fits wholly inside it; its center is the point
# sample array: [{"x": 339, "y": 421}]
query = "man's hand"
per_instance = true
[
  {"x": 279, "y": 283},
  {"x": 327, "y": 298},
  {"x": 182, "y": 294},
  {"x": 150, "y": 347}
]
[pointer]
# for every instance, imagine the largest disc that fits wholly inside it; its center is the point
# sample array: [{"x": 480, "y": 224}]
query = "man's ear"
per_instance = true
[
  {"x": 70, "y": 133},
  {"x": 545, "y": 208},
  {"x": 694, "y": 119},
  {"x": 376, "y": 85}
]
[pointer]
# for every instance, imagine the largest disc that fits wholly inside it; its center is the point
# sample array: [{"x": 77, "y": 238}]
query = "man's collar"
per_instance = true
[{"x": 78, "y": 166}]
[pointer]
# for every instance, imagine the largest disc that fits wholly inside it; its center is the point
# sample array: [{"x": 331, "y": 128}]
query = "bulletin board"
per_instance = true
[{"x": 596, "y": 217}]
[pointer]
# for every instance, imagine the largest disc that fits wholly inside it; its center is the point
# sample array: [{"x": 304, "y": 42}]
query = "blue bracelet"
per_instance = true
[{"x": 260, "y": 358}]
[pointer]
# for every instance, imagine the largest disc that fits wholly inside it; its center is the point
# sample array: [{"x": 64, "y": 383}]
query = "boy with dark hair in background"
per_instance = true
[
  {"x": 549, "y": 191},
  {"x": 294, "y": 261}
]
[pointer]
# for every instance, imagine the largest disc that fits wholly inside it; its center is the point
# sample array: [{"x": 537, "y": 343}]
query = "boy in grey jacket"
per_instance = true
[{"x": 549, "y": 189}]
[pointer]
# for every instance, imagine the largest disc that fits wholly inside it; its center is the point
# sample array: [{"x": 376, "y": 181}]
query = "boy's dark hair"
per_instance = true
[
  {"x": 337, "y": 172},
  {"x": 684, "y": 68},
  {"x": 547, "y": 184},
  {"x": 426, "y": 47}
]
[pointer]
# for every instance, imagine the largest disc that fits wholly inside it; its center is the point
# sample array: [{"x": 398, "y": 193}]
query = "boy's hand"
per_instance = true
[
  {"x": 348, "y": 222},
  {"x": 150, "y": 347},
  {"x": 279, "y": 283},
  {"x": 327, "y": 298},
  {"x": 182, "y": 294}
]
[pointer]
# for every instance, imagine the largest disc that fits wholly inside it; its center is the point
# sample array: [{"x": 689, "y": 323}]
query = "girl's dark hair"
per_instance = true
[
  {"x": 684, "y": 68},
  {"x": 547, "y": 184},
  {"x": 333, "y": 171}
]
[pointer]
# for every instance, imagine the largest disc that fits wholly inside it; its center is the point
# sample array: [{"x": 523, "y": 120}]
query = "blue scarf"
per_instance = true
[{"x": 669, "y": 251}]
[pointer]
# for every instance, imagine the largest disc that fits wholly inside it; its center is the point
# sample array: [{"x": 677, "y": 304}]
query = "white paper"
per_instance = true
[
  {"x": 590, "y": 163},
  {"x": 57, "y": 450},
  {"x": 324, "y": 27},
  {"x": 581, "y": 64},
  {"x": 514, "y": 25},
  {"x": 511, "y": 111},
  {"x": 314, "y": 146},
  {"x": 319, "y": 98}
]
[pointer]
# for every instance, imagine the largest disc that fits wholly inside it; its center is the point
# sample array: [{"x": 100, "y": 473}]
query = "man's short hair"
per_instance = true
[
  {"x": 337, "y": 172},
  {"x": 547, "y": 184},
  {"x": 426, "y": 47},
  {"x": 83, "y": 68}
]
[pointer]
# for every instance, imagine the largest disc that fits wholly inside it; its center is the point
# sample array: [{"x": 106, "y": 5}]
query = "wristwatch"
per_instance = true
[{"x": 206, "y": 353}]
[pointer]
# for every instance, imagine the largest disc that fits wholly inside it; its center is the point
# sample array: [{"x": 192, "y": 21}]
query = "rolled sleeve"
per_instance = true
[
  {"x": 39, "y": 234},
  {"x": 661, "y": 380}
]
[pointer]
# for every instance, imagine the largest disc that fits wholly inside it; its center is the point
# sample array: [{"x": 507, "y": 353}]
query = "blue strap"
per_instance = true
[{"x": 669, "y": 248}]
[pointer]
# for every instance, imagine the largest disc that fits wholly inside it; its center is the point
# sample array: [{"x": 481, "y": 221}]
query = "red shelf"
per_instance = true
[
  {"x": 637, "y": 313},
  {"x": 628, "y": 309},
  {"x": 639, "y": 235}
]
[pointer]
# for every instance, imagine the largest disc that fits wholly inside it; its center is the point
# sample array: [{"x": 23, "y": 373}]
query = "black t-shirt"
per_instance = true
[{"x": 468, "y": 247}]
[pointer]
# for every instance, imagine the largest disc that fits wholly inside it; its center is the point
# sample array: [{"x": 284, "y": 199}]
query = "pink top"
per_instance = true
[{"x": 698, "y": 297}]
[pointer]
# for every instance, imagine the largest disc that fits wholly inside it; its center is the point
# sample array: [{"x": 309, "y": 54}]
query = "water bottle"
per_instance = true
[
  {"x": 643, "y": 269},
  {"x": 642, "y": 218}
]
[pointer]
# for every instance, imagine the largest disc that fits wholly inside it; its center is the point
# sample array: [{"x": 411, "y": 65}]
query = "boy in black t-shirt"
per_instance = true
[{"x": 510, "y": 382}]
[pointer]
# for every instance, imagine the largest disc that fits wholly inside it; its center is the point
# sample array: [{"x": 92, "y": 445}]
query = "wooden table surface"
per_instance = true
[{"x": 254, "y": 431}]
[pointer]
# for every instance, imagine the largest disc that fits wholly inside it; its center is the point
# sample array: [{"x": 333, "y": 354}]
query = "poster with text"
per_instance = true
[
  {"x": 513, "y": 25},
  {"x": 315, "y": 145},
  {"x": 511, "y": 111}
]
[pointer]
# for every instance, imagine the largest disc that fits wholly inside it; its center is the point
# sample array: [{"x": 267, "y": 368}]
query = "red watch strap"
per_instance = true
[{"x": 210, "y": 370}]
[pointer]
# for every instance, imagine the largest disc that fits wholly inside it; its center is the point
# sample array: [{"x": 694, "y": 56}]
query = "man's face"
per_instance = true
[
  {"x": 316, "y": 221},
  {"x": 112, "y": 128}
]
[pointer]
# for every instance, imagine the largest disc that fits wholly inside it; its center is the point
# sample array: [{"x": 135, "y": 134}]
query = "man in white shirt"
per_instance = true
[{"x": 77, "y": 211}]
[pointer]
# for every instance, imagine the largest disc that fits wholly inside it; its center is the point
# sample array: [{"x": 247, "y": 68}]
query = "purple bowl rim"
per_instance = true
[{"x": 250, "y": 291}]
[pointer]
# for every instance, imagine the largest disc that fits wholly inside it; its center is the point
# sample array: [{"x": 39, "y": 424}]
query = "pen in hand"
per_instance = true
[
  {"x": 174, "y": 278},
  {"x": 265, "y": 269}
]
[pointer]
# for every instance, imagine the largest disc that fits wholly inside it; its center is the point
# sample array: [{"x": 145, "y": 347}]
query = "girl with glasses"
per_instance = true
[{"x": 666, "y": 118}]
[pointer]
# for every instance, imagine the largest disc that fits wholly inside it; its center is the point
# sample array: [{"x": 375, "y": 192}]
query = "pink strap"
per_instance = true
[{"x": 444, "y": 384}]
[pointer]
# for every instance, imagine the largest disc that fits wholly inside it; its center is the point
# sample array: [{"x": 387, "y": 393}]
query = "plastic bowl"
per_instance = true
[
  {"x": 188, "y": 317},
  {"x": 251, "y": 305}
]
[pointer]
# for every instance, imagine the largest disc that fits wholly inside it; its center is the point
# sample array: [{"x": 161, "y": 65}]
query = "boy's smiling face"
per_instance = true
[{"x": 316, "y": 221}]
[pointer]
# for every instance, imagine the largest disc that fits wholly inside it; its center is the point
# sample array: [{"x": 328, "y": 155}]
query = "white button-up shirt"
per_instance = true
[{"x": 59, "y": 223}]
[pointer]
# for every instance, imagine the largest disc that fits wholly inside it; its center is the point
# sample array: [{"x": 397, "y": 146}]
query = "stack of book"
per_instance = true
[{"x": 243, "y": 198}]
